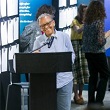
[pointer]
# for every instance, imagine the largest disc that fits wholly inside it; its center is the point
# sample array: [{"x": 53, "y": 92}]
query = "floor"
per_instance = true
[
  {"x": 81, "y": 107},
  {"x": 75, "y": 106}
]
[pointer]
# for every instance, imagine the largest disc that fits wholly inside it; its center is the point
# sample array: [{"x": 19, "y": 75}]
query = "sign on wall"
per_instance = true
[{"x": 28, "y": 10}]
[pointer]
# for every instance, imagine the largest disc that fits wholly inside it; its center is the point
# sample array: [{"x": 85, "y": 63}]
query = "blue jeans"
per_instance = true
[{"x": 64, "y": 97}]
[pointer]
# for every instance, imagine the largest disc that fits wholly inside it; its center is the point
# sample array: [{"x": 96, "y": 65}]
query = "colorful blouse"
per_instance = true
[{"x": 93, "y": 37}]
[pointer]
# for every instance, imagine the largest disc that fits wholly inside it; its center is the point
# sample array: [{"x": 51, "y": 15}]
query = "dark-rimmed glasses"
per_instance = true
[{"x": 46, "y": 24}]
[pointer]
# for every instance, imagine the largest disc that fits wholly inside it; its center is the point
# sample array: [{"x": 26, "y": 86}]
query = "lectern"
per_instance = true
[{"x": 43, "y": 68}]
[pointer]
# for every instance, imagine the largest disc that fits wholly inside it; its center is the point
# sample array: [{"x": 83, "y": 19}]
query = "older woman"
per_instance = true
[{"x": 60, "y": 42}]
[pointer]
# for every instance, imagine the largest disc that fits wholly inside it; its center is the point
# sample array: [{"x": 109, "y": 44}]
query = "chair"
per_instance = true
[{"x": 22, "y": 85}]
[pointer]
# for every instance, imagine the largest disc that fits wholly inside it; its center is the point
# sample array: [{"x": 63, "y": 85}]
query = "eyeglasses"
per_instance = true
[{"x": 46, "y": 24}]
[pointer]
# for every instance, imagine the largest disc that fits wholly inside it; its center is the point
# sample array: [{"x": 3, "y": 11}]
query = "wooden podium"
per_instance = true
[{"x": 43, "y": 68}]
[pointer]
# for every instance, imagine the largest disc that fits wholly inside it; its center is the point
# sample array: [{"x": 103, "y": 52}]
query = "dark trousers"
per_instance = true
[{"x": 99, "y": 73}]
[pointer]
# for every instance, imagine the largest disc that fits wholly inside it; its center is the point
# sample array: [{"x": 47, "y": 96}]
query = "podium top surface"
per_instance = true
[{"x": 43, "y": 62}]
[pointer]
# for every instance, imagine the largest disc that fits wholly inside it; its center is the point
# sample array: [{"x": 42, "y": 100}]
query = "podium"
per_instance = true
[{"x": 43, "y": 68}]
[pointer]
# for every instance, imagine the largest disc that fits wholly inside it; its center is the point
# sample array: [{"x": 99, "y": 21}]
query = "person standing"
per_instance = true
[
  {"x": 60, "y": 42},
  {"x": 80, "y": 68},
  {"x": 94, "y": 39}
]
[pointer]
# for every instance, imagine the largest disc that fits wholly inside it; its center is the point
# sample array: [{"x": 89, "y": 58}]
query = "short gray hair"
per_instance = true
[{"x": 45, "y": 14}]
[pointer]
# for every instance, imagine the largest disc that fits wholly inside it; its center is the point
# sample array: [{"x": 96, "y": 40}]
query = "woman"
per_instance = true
[
  {"x": 80, "y": 67},
  {"x": 58, "y": 42},
  {"x": 94, "y": 40}
]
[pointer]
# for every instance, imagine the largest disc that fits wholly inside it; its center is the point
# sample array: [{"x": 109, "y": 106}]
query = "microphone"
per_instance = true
[
  {"x": 45, "y": 43},
  {"x": 48, "y": 42}
]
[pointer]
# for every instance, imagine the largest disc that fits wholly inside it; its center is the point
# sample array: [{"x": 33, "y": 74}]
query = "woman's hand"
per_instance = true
[
  {"x": 36, "y": 51},
  {"x": 78, "y": 29},
  {"x": 107, "y": 34}
]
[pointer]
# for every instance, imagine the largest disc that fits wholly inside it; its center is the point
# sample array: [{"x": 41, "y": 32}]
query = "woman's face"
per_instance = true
[{"x": 47, "y": 25}]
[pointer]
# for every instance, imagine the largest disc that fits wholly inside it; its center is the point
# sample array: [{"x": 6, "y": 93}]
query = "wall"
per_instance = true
[
  {"x": 83, "y": 1},
  {"x": 34, "y": 5}
]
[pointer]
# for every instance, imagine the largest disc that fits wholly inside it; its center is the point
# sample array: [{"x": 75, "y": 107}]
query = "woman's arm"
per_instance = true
[
  {"x": 78, "y": 29},
  {"x": 107, "y": 34}
]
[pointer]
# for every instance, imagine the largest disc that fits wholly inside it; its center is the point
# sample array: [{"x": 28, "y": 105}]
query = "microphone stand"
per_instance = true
[
  {"x": 49, "y": 42},
  {"x": 40, "y": 47}
]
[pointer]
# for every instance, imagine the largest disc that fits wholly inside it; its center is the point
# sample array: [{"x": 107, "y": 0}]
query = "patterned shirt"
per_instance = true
[
  {"x": 93, "y": 37},
  {"x": 61, "y": 43}
]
